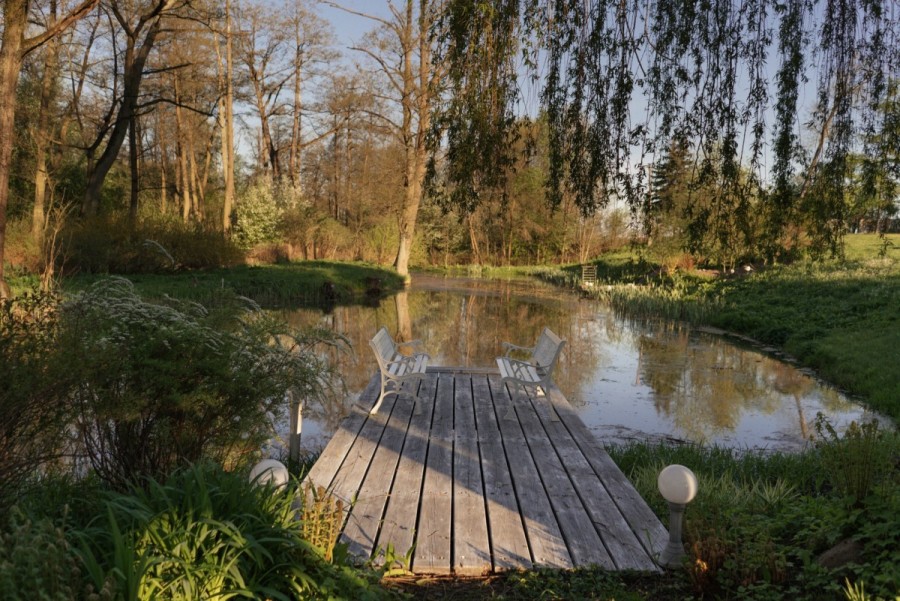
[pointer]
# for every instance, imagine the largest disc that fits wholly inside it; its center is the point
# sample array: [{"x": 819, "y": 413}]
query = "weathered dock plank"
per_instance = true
[
  {"x": 471, "y": 549},
  {"x": 433, "y": 552},
  {"x": 576, "y": 525},
  {"x": 634, "y": 509},
  {"x": 332, "y": 457},
  {"x": 548, "y": 547},
  {"x": 365, "y": 518},
  {"x": 399, "y": 527},
  {"x": 480, "y": 481},
  {"x": 509, "y": 544}
]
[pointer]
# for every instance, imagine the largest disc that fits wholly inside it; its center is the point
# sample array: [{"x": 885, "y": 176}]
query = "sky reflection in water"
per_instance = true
[{"x": 628, "y": 380}]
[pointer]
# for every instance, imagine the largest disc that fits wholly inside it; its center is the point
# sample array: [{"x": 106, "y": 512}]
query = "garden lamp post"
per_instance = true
[
  {"x": 269, "y": 470},
  {"x": 678, "y": 486}
]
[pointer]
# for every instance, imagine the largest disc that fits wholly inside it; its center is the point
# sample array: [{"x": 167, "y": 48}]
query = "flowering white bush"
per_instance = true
[{"x": 257, "y": 214}]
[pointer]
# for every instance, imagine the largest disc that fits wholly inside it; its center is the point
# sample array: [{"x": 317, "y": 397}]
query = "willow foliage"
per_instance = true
[{"x": 622, "y": 79}]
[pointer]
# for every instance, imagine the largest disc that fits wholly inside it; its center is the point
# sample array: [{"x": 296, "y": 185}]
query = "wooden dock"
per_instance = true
[{"x": 478, "y": 481}]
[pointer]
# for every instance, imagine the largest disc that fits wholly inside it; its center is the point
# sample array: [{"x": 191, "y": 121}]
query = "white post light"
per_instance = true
[
  {"x": 269, "y": 470},
  {"x": 678, "y": 486},
  {"x": 296, "y": 409}
]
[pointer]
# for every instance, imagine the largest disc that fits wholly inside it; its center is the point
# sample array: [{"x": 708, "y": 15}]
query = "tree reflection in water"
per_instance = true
[{"x": 627, "y": 379}]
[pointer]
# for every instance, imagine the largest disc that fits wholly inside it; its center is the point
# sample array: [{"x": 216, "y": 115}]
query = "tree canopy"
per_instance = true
[{"x": 622, "y": 79}]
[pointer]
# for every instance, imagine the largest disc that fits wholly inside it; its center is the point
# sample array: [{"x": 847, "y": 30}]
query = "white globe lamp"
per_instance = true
[
  {"x": 269, "y": 471},
  {"x": 678, "y": 486}
]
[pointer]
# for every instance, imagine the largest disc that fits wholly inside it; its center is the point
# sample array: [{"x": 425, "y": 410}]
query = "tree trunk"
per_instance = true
[
  {"x": 296, "y": 132},
  {"x": 42, "y": 134},
  {"x": 184, "y": 181},
  {"x": 15, "y": 13},
  {"x": 163, "y": 154},
  {"x": 12, "y": 49},
  {"x": 133, "y": 170},
  {"x": 416, "y": 106},
  {"x": 226, "y": 121},
  {"x": 196, "y": 201},
  {"x": 135, "y": 59},
  {"x": 267, "y": 152},
  {"x": 473, "y": 241},
  {"x": 163, "y": 184}
]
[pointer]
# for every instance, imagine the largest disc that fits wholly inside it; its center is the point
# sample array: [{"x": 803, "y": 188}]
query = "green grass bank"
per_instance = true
[
  {"x": 839, "y": 317},
  {"x": 298, "y": 283}
]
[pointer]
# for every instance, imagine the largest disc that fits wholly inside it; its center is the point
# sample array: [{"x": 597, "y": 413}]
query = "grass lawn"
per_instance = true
[{"x": 283, "y": 284}]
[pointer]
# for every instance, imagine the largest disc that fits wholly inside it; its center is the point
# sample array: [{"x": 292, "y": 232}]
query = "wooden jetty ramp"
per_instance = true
[{"x": 478, "y": 481}]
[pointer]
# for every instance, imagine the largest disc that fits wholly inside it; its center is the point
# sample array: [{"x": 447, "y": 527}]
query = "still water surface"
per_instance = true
[{"x": 628, "y": 380}]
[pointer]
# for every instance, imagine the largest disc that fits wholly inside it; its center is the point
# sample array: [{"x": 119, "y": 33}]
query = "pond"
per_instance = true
[{"x": 628, "y": 379}]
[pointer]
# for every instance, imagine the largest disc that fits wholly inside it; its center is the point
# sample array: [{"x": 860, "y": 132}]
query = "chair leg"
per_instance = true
[
  {"x": 511, "y": 413},
  {"x": 380, "y": 398}
]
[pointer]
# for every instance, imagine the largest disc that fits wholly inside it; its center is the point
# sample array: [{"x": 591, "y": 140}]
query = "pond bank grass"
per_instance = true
[
  {"x": 302, "y": 283},
  {"x": 839, "y": 317}
]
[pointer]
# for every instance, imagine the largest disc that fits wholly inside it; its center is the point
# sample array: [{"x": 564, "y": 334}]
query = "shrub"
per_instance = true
[
  {"x": 23, "y": 252},
  {"x": 161, "y": 385},
  {"x": 32, "y": 389},
  {"x": 760, "y": 522},
  {"x": 111, "y": 244},
  {"x": 257, "y": 214},
  {"x": 855, "y": 461},
  {"x": 208, "y": 534},
  {"x": 36, "y": 563}
]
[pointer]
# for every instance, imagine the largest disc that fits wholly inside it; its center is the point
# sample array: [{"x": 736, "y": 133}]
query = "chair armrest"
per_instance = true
[
  {"x": 509, "y": 348},
  {"x": 518, "y": 363}
]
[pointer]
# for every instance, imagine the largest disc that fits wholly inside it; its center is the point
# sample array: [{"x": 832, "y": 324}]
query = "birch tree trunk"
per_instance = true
[{"x": 226, "y": 122}]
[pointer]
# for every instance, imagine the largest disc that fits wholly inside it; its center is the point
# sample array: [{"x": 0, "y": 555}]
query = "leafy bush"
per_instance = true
[
  {"x": 36, "y": 563},
  {"x": 161, "y": 385},
  {"x": 258, "y": 213},
  {"x": 111, "y": 244},
  {"x": 207, "y": 534},
  {"x": 855, "y": 461},
  {"x": 316, "y": 234},
  {"x": 32, "y": 389},
  {"x": 761, "y": 522}
]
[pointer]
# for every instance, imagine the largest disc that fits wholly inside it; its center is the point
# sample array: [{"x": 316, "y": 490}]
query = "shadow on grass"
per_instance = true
[{"x": 298, "y": 284}]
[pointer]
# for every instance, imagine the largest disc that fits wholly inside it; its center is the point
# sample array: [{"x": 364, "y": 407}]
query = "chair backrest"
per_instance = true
[
  {"x": 383, "y": 345},
  {"x": 547, "y": 349}
]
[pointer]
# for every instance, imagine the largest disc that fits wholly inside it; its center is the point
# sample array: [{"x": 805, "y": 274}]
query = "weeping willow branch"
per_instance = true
[{"x": 623, "y": 79}]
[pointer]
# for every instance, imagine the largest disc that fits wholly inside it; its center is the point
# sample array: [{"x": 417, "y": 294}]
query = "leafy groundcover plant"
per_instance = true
[
  {"x": 209, "y": 534},
  {"x": 202, "y": 534},
  {"x": 763, "y": 523}
]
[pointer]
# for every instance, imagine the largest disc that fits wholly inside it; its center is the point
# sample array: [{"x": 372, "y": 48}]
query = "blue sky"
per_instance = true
[{"x": 349, "y": 28}]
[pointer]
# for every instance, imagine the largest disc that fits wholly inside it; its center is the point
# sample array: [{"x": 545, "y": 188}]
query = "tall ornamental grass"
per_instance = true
[{"x": 156, "y": 386}]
